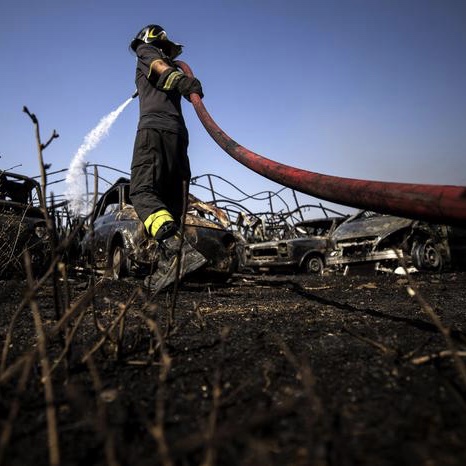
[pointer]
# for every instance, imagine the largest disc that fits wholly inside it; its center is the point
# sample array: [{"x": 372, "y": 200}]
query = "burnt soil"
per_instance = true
[{"x": 260, "y": 370}]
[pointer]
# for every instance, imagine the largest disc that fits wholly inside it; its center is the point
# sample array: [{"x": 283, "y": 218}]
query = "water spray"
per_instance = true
[{"x": 76, "y": 176}]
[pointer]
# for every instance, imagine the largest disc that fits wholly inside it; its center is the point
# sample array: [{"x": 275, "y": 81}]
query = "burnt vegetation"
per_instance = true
[{"x": 289, "y": 369}]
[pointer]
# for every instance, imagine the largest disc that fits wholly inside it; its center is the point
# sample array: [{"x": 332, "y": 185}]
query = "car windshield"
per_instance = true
[
  {"x": 317, "y": 228},
  {"x": 15, "y": 189}
]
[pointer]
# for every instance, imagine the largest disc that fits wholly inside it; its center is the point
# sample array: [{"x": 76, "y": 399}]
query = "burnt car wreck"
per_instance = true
[
  {"x": 22, "y": 225},
  {"x": 304, "y": 250},
  {"x": 381, "y": 240},
  {"x": 234, "y": 238},
  {"x": 117, "y": 242}
]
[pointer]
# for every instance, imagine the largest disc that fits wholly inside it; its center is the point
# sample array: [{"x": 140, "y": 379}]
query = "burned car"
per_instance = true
[
  {"x": 304, "y": 252},
  {"x": 379, "y": 239},
  {"x": 22, "y": 225},
  {"x": 119, "y": 243}
]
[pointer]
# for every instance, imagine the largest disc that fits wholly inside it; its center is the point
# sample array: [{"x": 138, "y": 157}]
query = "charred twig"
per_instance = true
[
  {"x": 121, "y": 334},
  {"x": 50, "y": 224},
  {"x": 157, "y": 430},
  {"x": 412, "y": 352},
  {"x": 107, "y": 332},
  {"x": 66, "y": 304},
  {"x": 225, "y": 432},
  {"x": 40, "y": 148},
  {"x": 54, "y": 135},
  {"x": 52, "y": 432},
  {"x": 68, "y": 342},
  {"x": 304, "y": 374},
  {"x": 211, "y": 451},
  {"x": 14, "y": 408},
  {"x": 199, "y": 316},
  {"x": 441, "y": 354},
  {"x": 102, "y": 424},
  {"x": 376, "y": 344}
]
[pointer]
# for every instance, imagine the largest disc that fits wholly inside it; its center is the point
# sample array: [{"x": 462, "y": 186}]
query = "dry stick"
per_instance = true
[
  {"x": 427, "y": 308},
  {"x": 442, "y": 354},
  {"x": 106, "y": 335},
  {"x": 210, "y": 456},
  {"x": 120, "y": 336},
  {"x": 226, "y": 431},
  {"x": 69, "y": 339},
  {"x": 152, "y": 309},
  {"x": 102, "y": 423},
  {"x": 14, "y": 408},
  {"x": 374, "y": 343},
  {"x": 40, "y": 148},
  {"x": 64, "y": 274},
  {"x": 157, "y": 430},
  {"x": 304, "y": 373},
  {"x": 82, "y": 301},
  {"x": 109, "y": 329},
  {"x": 52, "y": 432},
  {"x": 171, "y": 317},
  {"x": 48, "y": 220}
]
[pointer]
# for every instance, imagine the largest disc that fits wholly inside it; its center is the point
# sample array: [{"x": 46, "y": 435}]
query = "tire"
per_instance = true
[
  {"x": 426, "y": 256},
  {"x": 313, "y": 265},
  {"x": 120, "y": 265}
]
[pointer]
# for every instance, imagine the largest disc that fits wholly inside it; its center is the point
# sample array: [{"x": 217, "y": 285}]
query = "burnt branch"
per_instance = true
[{"x": 52, "y": 430}]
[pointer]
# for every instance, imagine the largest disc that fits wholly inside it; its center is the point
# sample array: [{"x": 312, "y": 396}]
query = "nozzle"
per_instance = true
[{"x": 136, "y": 93}]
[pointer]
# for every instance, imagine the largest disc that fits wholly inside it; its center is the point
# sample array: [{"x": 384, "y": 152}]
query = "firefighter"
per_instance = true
[{"x": 160, "y": 164}]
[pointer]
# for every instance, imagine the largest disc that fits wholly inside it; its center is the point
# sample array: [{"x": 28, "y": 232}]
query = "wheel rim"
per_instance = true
[
  {"x": 427, "y": 256},
  {"x": 431, "y": 256},
  {"x": 314, "y": 265}
]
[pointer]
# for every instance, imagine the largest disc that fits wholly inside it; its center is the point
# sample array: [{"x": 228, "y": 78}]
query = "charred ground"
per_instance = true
[{"x": 272, "y": 370}]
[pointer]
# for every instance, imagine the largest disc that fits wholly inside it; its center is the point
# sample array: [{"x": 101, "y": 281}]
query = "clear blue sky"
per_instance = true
[{"x": 372, "y": 89}]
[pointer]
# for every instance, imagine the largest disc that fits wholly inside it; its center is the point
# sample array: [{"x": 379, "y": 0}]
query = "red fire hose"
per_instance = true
[{"x": 434, "y": 203}]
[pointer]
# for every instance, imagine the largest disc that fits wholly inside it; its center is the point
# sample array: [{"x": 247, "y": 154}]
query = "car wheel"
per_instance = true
[
  {"x": 426, "y": 256},
  {"x": 120, "y": 264},
  {"x": 313, "y": 264}
]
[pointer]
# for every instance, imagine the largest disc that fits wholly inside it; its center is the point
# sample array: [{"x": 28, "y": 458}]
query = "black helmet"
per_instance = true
[{"x": 155, "y": 34}]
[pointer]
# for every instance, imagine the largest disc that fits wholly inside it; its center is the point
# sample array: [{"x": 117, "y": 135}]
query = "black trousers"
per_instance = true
[{"x": 160, "y": 165}]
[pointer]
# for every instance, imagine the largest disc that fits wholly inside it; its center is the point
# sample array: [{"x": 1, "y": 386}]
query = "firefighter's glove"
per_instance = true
[
  {"x": 172, "y": 79},
  {"x": 187, "y": 86}
]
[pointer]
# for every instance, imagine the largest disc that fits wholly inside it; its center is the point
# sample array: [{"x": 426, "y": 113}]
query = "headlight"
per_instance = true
[{"x": 41, "y": 232}]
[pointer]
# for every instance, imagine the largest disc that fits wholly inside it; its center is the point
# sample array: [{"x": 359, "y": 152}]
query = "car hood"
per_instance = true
[{"x": 380, "y": 226}]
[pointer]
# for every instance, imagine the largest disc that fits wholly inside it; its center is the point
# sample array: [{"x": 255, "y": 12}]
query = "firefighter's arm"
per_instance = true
[
  {"x": 157, "y": 67},
  {"x": 169, "y": 79}
]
